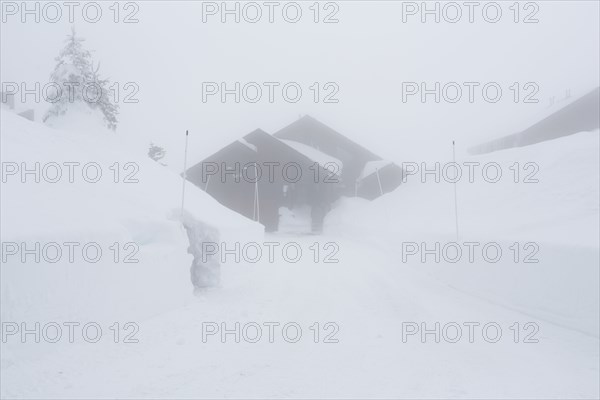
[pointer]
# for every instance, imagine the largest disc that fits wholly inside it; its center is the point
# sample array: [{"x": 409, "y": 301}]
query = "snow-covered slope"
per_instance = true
[
  {"x": 123, "y": 197},
  {"x": 562, "y": 207},
  {"x": 558, "y": 215}
]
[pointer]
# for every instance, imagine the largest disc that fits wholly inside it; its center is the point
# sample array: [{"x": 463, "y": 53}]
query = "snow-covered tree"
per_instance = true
[
  {"x": 77, "y": 82},
  {"x": 156, "y": 152},
  {"x": 105, "y": 103}
]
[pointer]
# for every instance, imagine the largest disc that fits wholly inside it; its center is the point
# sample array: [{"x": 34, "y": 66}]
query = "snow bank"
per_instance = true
[
  {"x": 134, "y": 202},
  {"x": 559, "y": 213}
]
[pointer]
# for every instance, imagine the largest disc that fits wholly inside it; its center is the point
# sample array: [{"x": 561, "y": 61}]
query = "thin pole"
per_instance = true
[
  {"x": 206, "y": 186},
  {"x": 184, "y": 173},
  {"x": 379, "y": 181},
  {"x": 254, "y": 204},
  {"x": 455, "y": 197},
  {"x": 256, "y": 198}
]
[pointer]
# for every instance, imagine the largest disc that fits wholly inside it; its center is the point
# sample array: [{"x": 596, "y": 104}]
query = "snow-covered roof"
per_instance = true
[
  {"x": 372, "y": 166},
  {"x": 323, "y": 159}
]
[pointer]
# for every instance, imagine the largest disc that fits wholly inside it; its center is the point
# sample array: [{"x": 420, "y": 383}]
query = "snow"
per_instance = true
[
  {"x": 369, "y": 294},
  {"x": 323, "y": 159},
  {"x": 5, "y": 104},
  {"x": 561, "y": 208},
  {"x": 79, "y": 118},
  {"x": 249, "y": 145},
  {"x": 368, "y": 297},
  {"x": 146, "y": 213},
  {"x": 559, "y": 213}
]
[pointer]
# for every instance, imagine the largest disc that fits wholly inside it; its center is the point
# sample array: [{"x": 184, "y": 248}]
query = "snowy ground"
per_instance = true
[
  {"x": 363, "y": 303},
  {"x": 368, "y": 294}
]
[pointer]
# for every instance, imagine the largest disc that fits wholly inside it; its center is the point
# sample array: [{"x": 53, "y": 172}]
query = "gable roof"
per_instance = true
[
  {"x": 312, "y": 132},
  {"x": 260, "y": 146},
  {"x": 324, "y": 160}
]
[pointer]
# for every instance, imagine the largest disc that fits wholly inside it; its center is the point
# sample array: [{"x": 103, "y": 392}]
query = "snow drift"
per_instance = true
[
  {"x": 553, "y": 204},
  {"x": 118, "y": 200}
]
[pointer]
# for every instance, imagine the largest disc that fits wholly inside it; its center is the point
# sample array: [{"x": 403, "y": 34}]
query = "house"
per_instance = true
[
  {"x": 258, "y": 174},
  {"x": 306, "y": 164},
  {"x": 314, "y": 133}
]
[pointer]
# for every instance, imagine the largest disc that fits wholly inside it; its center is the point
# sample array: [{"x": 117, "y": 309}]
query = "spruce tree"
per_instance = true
[{"x": 79, "y": 82}]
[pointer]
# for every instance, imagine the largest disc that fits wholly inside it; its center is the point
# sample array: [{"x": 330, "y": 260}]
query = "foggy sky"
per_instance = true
[{"x": 368, "y": 54}]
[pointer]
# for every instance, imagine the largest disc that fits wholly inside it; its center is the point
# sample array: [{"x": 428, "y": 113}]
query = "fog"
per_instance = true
[
  {"x": 449, "y": 249},
  {"x": 368, "y": 54}
]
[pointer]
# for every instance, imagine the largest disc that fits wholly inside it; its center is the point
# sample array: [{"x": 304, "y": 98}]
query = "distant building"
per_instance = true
[
  {"x": 304, "y": 164},
  {"x": 580, "y": 115},
  {"x": 9, "y": 100}
]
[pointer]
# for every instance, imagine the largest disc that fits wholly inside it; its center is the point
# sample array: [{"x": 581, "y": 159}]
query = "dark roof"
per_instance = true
[
  {"x": 314, "y": 133},
  {"x": 268, "y": 148},
  {"x": 581, "y": 115}
]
